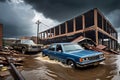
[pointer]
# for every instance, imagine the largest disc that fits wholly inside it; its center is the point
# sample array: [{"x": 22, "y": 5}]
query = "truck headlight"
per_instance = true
[
  {"x": 81, "y": 59},
  {"x": 86, "y": 58}
]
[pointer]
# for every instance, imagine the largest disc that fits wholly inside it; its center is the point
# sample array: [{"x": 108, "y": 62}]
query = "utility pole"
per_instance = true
[{"x": 38, "y": 23}]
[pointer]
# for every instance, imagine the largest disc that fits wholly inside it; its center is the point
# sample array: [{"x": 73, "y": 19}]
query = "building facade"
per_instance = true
[
  {"x": 1, "y": 35},
  {"x": 91, "y": 24}
]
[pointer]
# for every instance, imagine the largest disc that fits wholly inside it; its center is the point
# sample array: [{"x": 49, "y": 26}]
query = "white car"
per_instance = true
[{"x": 26, "y": 45}]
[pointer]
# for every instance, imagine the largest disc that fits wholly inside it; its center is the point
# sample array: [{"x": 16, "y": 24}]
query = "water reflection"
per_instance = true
[
  {"x": 117, "y": 75},
  {"x": 39, "y": 68}
]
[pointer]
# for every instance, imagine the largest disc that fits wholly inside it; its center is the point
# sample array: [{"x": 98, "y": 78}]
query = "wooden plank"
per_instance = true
[
  {"x": 67, "y": 34},
  {"x": 83, "y": 24},
  {"x": 59, "y": 30},
  {"x": 66, "y": 27},
  {"x": 74, "y": 25}
]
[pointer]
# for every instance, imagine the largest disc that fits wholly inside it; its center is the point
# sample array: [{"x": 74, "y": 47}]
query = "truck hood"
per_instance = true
[
  {"x": 34, "y": 45},
  {"x": 84, "y": 53}
]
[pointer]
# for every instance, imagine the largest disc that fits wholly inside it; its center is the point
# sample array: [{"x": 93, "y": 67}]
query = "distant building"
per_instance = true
[
  {"x": 10, "y": 41},
  {"x": 1, "y": 35},
  {"x": 34, "y": 38},
  {"x": 25, "y": 37},
  {"x": 91, "y": 24}
]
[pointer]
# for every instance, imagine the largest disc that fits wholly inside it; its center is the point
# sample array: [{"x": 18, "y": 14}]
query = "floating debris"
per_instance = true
[{"x": 14, "y": 57}]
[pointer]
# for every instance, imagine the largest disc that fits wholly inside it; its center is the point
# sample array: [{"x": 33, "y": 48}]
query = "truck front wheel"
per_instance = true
[
  {"x": 43, "y": 55},
  {"x": 71, "y": 63}
]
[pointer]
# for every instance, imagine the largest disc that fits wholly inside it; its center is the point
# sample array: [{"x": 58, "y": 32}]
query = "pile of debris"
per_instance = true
[
  {"x": 7, "y": 57},
  {"x": 89, "y": 44}
]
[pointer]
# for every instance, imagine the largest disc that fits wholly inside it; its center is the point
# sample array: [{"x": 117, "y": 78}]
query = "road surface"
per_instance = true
[{"x": 39, "y": 68}]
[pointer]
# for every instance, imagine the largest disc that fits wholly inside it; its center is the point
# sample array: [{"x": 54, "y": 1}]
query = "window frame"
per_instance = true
[
  {"x": 59, "y": 49},
  {"x": 52, "y": 47}
]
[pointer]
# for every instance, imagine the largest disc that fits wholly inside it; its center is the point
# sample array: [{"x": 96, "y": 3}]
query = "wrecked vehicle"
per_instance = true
[
  {"x": 89, "y": 44},
  {"x": 26, "y": 45},
  {"x": 73, "y": 55}
]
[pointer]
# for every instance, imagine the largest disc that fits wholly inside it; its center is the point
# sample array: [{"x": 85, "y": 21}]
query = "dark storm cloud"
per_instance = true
[
  {"x": 63, "y": 9},
  {"x": 14, "y": 20},
  {"x": 114, "y": 17},
  {"x": 2, "y": 0},
  {"x": 60, "y": 10},
  {"x": 5, "y": 0}
]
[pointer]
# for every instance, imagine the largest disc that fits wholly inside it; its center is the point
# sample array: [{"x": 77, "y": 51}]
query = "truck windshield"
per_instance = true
[
  {"x": 72, "y": 47},
  {"x": 27, "y": 42}
]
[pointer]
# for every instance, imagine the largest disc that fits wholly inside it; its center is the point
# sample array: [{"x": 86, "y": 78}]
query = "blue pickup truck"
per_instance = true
[{"x": 73, "y": 55}]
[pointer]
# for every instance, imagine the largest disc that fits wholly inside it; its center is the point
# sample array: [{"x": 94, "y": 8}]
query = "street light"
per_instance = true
[{"x": 38, "y": 23}]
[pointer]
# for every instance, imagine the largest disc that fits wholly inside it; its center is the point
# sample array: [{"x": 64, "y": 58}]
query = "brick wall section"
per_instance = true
[{"x": 1, "y": 34}]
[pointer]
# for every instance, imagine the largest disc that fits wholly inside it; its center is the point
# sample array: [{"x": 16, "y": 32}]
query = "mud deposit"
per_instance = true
[{"x": 39, "y": 68}]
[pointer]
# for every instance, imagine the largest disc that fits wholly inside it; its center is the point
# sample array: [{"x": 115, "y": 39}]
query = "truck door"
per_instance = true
[
  {"x": 59, "y": 53},
  {"x": 16, "y": 46},
  {"x": 51, "y": 51}
]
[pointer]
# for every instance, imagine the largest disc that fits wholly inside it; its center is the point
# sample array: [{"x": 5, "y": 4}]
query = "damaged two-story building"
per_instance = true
[{"x": 91, "y": 24}]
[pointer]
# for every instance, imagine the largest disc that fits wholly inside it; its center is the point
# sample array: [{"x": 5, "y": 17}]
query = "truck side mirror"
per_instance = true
[{"x": 59, "y": 50}]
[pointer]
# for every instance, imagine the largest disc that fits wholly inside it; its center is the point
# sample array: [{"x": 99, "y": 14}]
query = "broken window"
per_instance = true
[
  {"x": 49, "y": 33},
  {"x": 52, "y": 32},
  {"x": 104, "y": 25},
  {"x": 89, "y": 19},
  {"x": 99, "y": 20},
  {"x": 43, "y": 34},
  {"x": 108, "y": 27},
  {"x": 70, "y": 26},
  {"x": 56, "y": 30},
  {"x": 59, "y": 48},
  {"x": 79, "y": 23},
  {"x": 91, "y": 35},
  {"x": 52, "y": 48},
  {"x": 63, "y": 28}
]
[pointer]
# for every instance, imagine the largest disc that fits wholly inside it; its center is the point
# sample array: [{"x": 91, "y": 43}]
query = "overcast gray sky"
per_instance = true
[{"x": 19, "y": 16}]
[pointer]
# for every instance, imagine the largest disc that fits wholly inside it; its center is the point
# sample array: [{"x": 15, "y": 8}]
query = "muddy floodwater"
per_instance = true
[{"x": 41, "y": 68}]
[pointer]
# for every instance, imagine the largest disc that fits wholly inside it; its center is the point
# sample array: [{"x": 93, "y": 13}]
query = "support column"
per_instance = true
[
  {"x": 54, "y": 31},
  {"x": 95, "y": 25},
  {"x": 102, "y": 24},
  {"x": 66, "y": 27},
  {"x": 50, "y": 33},
  {"x": 59, "y": 29},
  {"x": 44, "y": 35},
  {"x": 83, "y": 25},
  {"x": 74, "y": 25},
  {"x": 47, "y": 34},
  {"x": 96, "y": 37},
  {"x": 110, "y": 43}
]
